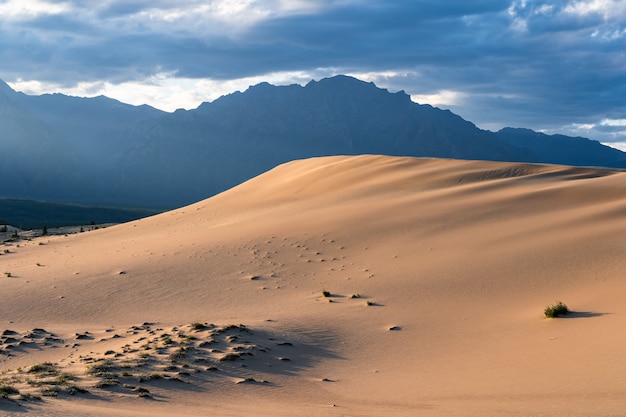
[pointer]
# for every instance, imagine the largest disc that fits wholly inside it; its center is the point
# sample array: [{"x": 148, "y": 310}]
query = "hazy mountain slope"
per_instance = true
[
  {"x": 56, "y": 147},
  {"x": 560, "y": 149},
  {"x": 243, "y": 134},
  {"x": 35, "y": 161},
  {"x": 101, "y": 150},
  {"x": 98, "y": 128}
]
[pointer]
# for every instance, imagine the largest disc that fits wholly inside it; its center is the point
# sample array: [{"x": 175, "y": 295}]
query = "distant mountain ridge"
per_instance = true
[{"x": 63, "y": 148}]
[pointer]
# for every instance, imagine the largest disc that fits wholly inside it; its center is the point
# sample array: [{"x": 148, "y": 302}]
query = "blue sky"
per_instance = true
[{"x": 554, "y": 66}]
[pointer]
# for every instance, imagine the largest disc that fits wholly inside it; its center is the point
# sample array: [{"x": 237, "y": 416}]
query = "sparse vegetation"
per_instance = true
[
  {"x": 51, "y": 391},
  {"x": 139, "y": 390},
  {"x": 63, "y": 379},
  {"x": 101, "y": 369},
  {"x": 556, "y": 310},
  {"x": 30, "y": 397},
  {"x": 7, "y": 390},
  {"x": 230, "y": 357},
  {"x": 44, "y": 368},
  {"x": 110, "y": 370},
  {"x": 107, "y": 382},
  {"x": 198, "y": 326},
  {"x": 152, "y": 376},
  {"x": 326, "y": 293},
  {"x": 75, "y": 389},
  {"x": 179, "y": 354}
]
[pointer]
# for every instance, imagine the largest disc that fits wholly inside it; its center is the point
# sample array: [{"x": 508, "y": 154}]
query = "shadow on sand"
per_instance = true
[{"x": 581, "y": 315}]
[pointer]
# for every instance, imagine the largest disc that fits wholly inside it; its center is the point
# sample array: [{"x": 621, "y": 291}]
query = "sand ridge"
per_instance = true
[{"x": 437, "y": 273}]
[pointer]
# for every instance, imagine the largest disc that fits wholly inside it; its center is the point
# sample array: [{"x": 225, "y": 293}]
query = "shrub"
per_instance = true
[
  {"x": 6, "y": 390},
  {"x": 230, "y": 357},
  {"x": 50, "y": 391},
  {"x": 556, "y": 310},
  {"x": 107, "y": 382},
  {"x": 326, "y": 293},
  {"x": 75, "y": 389},
  {"x": 63, "y": 379},
  {"x": 46, "y": 368},
  {"x": 102, "y": 369},
  {"x": 181, "y": 353}
]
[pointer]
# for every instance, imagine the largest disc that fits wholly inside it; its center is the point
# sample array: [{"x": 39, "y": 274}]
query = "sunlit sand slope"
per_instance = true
[{"x": 343, "y": 286}]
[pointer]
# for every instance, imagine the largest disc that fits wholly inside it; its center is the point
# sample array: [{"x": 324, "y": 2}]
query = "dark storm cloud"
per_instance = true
[{"x": 539, "y": 64}]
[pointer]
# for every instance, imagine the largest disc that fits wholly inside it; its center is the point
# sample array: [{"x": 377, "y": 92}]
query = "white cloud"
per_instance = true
[
  {"x": 583, "y": 126},
  {"x": 30, "y": 9},
  {"x": 217, "y": 17},
  {"x": 608, "y": 9},
  {"x": 617, "y": 145},
  {"x": 440, "y": 98},
  {"x": 609, "y": 132},
  {"x": 165, "y": 91},
  {"x": 380, "y": 78},
  {"x": 198, "y": 17},
  {"x": 299, "y": 6},
  {"x": 168, "y": 92},
  {"x": 613, "y": 122},
  {"x": 515, "y": 11},
  {"x": 544, "y": 9},
  {"x": 237, "y": 12}
]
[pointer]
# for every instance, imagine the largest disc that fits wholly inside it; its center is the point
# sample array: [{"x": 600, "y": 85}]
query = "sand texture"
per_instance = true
[{"x": 336, "y": 286}]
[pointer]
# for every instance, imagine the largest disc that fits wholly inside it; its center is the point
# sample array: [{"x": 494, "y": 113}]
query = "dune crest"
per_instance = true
[{"x": 376, "y": 285}]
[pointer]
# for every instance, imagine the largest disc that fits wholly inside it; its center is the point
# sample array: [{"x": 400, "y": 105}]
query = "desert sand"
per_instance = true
[{"x": 335, "y": 286}]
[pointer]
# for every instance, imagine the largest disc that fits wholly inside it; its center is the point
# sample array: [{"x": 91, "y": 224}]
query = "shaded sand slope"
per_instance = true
[{"x": 459, "y": 258}]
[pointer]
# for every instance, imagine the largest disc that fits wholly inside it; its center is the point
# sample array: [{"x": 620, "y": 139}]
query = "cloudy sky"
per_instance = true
[{"x": 549, "y": 65}]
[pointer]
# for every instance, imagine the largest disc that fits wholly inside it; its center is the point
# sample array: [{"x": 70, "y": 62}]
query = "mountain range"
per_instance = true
[{"x": 61, "y": 148}]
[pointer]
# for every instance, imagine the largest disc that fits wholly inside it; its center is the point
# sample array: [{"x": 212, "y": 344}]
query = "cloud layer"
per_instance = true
[{"x": 556, "y": 66}]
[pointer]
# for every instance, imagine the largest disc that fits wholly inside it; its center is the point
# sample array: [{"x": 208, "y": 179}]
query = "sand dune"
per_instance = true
[{"x": 437, "y": 273}]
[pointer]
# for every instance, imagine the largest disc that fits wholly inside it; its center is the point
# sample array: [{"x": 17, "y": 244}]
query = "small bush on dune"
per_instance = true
[
  {"x": 103, "y": 369},
  {"x": 198, "y": 326},
  {"x": 75, "y": 389},
  {"x": 556, "y": 310},
  {"x": 7, "y": 390},
  {"x": 45, "y": 368}
]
